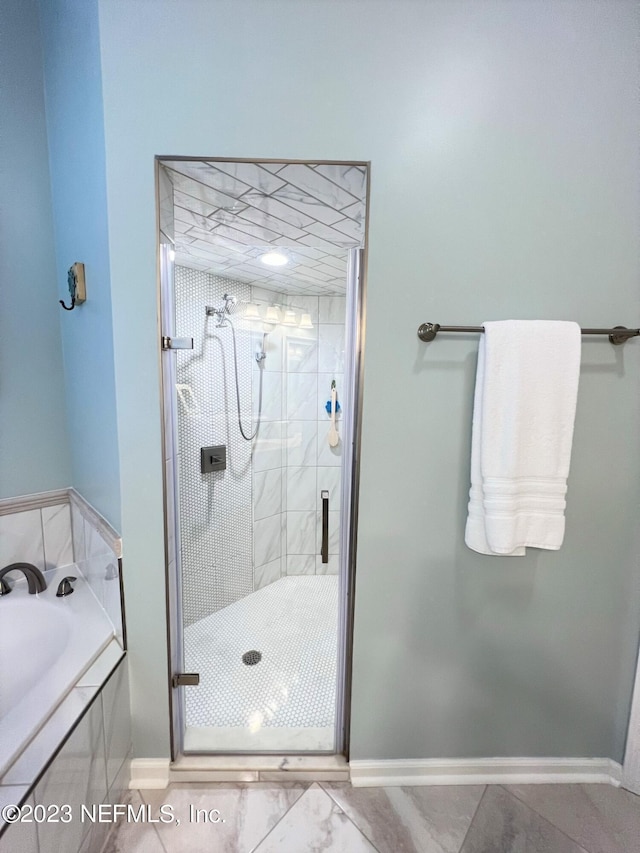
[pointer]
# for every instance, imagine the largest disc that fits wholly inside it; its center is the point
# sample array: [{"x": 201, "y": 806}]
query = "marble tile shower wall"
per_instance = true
[
  {"x": 293, "y": 461},
  {"x": 268, "y": 450},
  {"x": 331, "y": 339}
]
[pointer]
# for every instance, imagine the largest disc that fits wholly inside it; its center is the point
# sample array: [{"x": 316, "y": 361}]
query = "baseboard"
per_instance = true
[
  {"x": 149, "y": 773},
  {"x": 484, "y": 771}
]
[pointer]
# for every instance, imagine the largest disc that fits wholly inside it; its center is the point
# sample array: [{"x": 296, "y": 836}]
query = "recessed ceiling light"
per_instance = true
[{"x": 274, "y": 259}]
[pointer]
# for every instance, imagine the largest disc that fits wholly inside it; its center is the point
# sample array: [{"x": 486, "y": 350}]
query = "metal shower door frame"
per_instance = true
[
  {"x": 173, "y": 568},
  {"x": 350, "y": 467},
  {"x": 350, "y": 481}
]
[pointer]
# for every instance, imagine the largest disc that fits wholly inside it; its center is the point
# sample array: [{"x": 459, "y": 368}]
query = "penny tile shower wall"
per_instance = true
[{"x": 216, "y": 523}]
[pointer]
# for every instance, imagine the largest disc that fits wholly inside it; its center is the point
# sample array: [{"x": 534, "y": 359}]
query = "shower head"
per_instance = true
[
  {"x": 220, "y": 314},
  {"x": 230, "y": 303}
]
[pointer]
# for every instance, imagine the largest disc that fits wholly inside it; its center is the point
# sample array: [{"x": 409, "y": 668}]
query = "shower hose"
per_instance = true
[{"x": 235, "y": 368}]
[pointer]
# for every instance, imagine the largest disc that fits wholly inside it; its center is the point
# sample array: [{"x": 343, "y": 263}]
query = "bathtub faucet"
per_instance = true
[{"x": 35, "y": 578}]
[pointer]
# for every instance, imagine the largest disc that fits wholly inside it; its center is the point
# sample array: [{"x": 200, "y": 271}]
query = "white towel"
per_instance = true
[{"x": 523, "y": 417}]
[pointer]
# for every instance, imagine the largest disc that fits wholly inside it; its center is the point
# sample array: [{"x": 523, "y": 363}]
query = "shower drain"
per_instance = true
[{"x": 252, "y": 657}]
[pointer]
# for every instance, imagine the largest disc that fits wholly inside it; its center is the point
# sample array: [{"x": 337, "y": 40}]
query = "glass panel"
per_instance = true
[{"x": 258, "y": 461}]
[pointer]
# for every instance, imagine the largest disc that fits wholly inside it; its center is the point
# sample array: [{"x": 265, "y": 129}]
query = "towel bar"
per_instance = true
[{"x": 617, "y": 335}]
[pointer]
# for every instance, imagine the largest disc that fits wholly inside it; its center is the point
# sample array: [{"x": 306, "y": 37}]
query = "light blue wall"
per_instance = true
[
  {"x": 34, "y": 453},
  {"x": 76, "y": 148},
  {"x": 503, "y": 142}
]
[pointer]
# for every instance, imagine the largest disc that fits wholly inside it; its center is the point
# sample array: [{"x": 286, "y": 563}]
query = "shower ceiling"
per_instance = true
[{"x": 229, "y": 213}]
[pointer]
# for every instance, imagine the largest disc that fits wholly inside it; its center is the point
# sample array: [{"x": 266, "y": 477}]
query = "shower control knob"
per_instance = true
[{"x": 213, "y": 458}]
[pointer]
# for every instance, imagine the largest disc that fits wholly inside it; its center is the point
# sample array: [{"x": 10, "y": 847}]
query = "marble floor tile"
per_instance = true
[
  {"x": 314, "y": 823},
  {"x": 418, "y": 819},
  {"x": 601, "y": 818},
  {"x": 504, "y": 824},
  {"x": 133, "y": 837},
  {"x": 247, "y": 814}
]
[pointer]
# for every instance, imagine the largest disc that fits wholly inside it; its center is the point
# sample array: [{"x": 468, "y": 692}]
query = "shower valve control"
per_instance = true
[{"x": 213, "y": 458}]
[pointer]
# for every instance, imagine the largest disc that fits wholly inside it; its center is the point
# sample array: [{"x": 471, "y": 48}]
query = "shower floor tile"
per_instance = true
[{"x": 286, "y": 701}]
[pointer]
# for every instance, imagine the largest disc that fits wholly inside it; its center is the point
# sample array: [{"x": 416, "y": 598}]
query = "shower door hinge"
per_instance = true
[
  {"x": 176, "y": 343},
  {"x": 186, "y": 679}
]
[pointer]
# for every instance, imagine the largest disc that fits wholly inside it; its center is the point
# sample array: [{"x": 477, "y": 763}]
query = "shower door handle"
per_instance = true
[{"x": 324, "y": 551}]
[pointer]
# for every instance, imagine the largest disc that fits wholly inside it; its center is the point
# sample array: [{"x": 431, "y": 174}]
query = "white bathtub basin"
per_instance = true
[
  {"x": 33, "y": 635},
  {"x": 46, "y": 644}
]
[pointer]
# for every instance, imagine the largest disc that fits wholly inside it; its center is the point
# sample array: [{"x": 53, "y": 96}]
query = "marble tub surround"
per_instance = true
[
  {"x": 96, "y": 527},
  {"x": 42, "y": 749},
  {"x": 97, "y": 548},
  {"x": 335, "y": 818},
  {"x": 90, "y": 768},
  {"x": 54, "y": 529},
  {"x": 63, "y": 535},
  {"x": 40, "y": 535},
  {"x": 68, "y": 635}
]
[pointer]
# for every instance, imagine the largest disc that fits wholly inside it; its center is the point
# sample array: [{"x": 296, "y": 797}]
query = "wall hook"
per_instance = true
[{"x": 77, "y": 288}]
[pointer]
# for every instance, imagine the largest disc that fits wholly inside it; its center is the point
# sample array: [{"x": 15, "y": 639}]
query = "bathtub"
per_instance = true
[{"x": 46, "y": 644}]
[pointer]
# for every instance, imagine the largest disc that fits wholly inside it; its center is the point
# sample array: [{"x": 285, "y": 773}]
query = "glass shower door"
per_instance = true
[
  {"x": 259, "y": 514},
  {"x": 261, "y": 424}
]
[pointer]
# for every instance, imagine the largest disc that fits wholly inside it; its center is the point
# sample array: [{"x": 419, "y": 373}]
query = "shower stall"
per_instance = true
[{"x": 261, "y": 299}]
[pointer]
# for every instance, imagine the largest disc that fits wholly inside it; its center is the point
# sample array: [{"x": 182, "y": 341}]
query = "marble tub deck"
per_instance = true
[{"x": 332, "y": 816}]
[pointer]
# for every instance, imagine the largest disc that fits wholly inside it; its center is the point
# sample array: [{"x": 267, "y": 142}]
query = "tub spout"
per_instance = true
[{"x": 35, "y": 578}]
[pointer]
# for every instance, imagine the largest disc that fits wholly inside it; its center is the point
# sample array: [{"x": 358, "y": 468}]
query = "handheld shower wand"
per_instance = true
[{"x": 222, "y": 319}]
